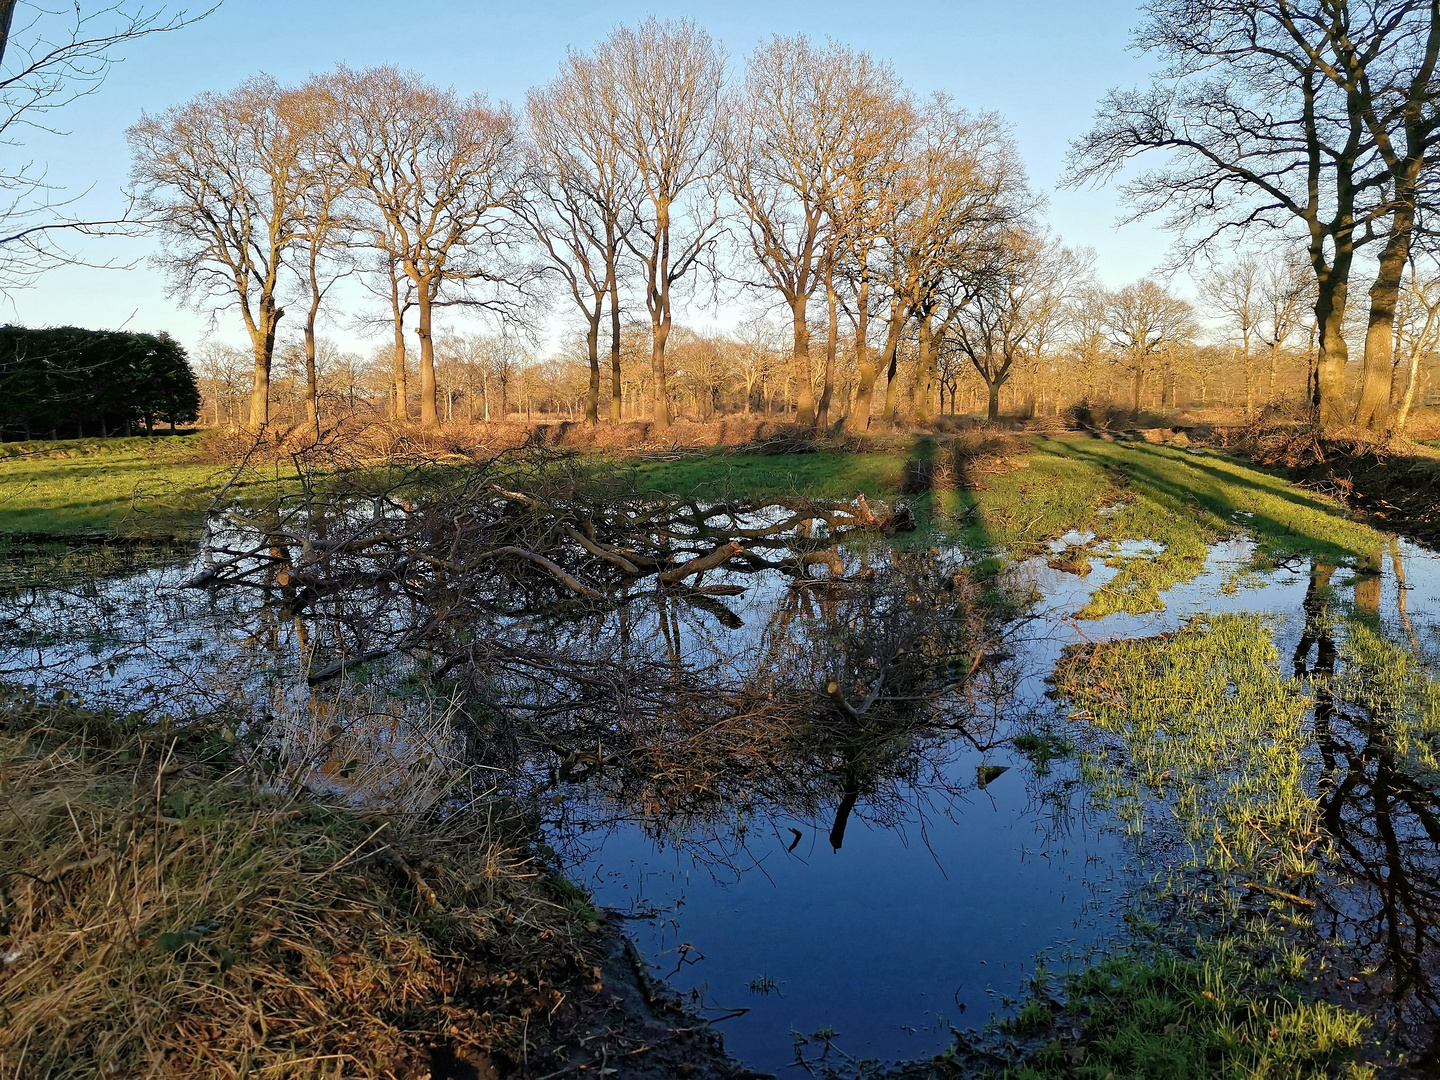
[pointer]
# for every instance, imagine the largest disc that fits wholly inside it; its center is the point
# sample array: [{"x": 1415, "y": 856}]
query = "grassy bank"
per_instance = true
[
  {"x": 1216, "y": 759},
  {"x": 1010, "y": 495},
  {"x": 162, "y": 915},
  {"x": 1015, "y": 497}
]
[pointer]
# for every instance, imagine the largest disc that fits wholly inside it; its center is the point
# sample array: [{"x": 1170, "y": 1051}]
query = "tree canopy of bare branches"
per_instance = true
[
  {"x": 56, "y": 57},
  {"x": 1143, "y": 320},
  {"x": 222, "y": 177},
  {"x": 443, "y": 176},
  {"x": 663, "y": 84},
  {"x": 582, "y": 206},
  {"x": 1269, "y": 116}
]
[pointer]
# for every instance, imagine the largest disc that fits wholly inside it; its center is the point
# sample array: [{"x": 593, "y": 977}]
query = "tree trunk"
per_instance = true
[
  {"x": 865, "y": 368},
  {"x": 263, "y": 342},
  {"x": 1139, "y": 385},
  {"x": 892, "y": 384},
  {"x": 1372, "y": 412},
  {"x": 804, "y": 388},
  {"x": 402, "y": 392},
  {"x": 1329, "y": 383},
  {"x": 592, "y": 396},
  {"x": 992, "y": 412},
  {"x": 312, "y": 381},
  {"x": 927, "y": 374},
  {"x": 617, "y": 393},
  {"x": 1407, "y": 399},
  {"x": 660, "y": 332},
  {"x": 429, "y": 417},
  {"x": 870, "y": 368},
  {"x": 822, "y": 416}
]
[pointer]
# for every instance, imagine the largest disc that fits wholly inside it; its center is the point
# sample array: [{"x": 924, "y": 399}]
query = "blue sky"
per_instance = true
[{"x": 1042, "y": 65}]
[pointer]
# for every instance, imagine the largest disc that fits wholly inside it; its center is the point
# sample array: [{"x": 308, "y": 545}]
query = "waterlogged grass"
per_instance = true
[
  {"x": 1155, "y": 1015},
  {"x": 1399, "y": 696},
  {"x": 135, "y": 486},
  {"x": 1186, "y": 502},
  {"x": 1214, "y": 737},
  {"x": 1182, "y": 502}
]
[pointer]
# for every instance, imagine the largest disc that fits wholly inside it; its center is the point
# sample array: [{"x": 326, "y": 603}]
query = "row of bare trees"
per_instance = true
[
  {"x": 898, "y": 234},
  {"x": 1140, "y": 347},
  {"x": 638, "y": 173}
]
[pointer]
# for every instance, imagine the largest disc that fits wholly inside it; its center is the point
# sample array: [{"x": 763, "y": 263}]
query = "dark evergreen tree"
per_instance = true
[{"x": 68, "y": 382}]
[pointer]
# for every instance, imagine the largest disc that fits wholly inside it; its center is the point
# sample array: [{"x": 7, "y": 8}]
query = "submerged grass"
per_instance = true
[
  {"x": 1398, "y": 694},
  {"x": 1212, "y": 735},
  {"x": 159, "y": 916}
]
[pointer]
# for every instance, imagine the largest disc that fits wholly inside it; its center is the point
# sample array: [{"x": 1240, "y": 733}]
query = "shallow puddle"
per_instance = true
[{"x": 875, "y": 894}]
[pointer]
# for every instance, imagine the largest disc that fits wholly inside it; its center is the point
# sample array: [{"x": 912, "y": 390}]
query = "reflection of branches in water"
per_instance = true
[
  {"x": 902, "y": 638},
  {"x": 1383, "y": 892},
  {"x": 578, "y": 623}
]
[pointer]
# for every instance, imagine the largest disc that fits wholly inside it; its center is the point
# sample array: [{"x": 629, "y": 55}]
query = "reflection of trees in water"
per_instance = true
[
  {"x": 835, "y": 685},
  {"x": 1382, "y": 896},
  {"x": 852, "y": 692}
]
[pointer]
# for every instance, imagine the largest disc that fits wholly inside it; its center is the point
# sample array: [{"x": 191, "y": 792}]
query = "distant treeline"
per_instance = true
[{"x": 70, "y": 383}]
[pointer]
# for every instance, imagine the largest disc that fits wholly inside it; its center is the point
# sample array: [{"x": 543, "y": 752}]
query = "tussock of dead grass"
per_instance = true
[{"x": 158, "y": 919}]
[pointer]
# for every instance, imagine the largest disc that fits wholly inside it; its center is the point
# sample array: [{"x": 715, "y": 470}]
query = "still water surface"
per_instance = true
[{"x": 877, "y": 910}]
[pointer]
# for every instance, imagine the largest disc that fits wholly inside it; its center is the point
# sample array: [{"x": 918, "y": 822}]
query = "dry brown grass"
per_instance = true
[{"x": 158, "y": 919}]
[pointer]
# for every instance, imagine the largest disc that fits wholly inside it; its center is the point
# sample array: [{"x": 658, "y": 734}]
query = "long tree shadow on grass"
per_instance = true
[{"x": 1318, "y": 527}]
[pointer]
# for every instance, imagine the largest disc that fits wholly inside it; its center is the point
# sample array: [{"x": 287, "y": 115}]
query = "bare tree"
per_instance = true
[
  {"x": 1418, "y": 335},
  {"x": 1286, "y": 286},
  {"x": 222, "y": 372},
  {"x": 584, "y": 189},
  {"x": 961, "y": 188},
  {"x": 1394, "y": 51},
  {"x": 443, "y": 175},
  {"x": 805, "y": 130},
  {"x": 221, "y": 177},
  {"x": 1260, "y": 110},
  {"x": 1089, "y": 342},
  {"x": 327, "y": 227},
  {"x": 1016, "y": 307},
  {"x": 1232, "y": 291},
  {"x": 57, "y": 55},
  {"x": 663, "y": 84},
  {"x": 1143, "y": 321}
]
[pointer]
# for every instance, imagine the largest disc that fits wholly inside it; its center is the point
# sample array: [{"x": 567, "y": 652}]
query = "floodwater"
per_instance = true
[{"x": 870, "y": 898}]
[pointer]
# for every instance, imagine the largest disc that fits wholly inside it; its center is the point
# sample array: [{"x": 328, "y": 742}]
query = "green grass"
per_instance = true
[
  {"x": 820, "y": 475},
  {"x": 133, "y": 486},
  {"x": 1400, "y": 697},
  {"x": 1155, "y": 1015},
  {"x": 1185, "y": 502},
  {"x": 155, "y": 488},
  {"x": 1213, "y": 735}
]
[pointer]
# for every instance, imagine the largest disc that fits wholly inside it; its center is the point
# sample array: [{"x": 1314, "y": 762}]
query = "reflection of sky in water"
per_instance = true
[
  {"x": 883, "y": 940},
  {"x": 942, "y": 894}
]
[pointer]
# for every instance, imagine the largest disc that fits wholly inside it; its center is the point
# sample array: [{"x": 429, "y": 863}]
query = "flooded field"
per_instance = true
[{"x": 849, "y": 803}]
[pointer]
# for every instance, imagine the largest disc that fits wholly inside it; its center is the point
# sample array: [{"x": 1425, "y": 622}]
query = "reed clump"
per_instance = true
[{"x": 162, "y": 916}]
